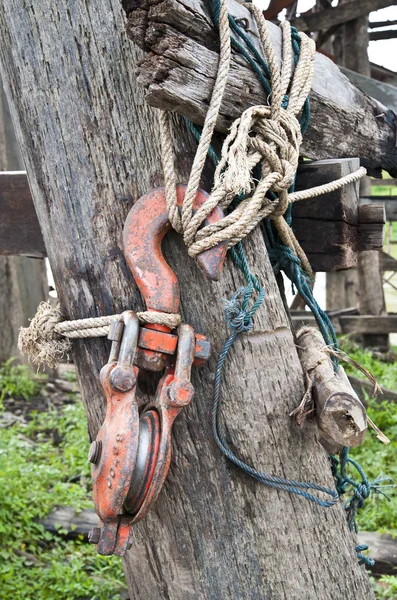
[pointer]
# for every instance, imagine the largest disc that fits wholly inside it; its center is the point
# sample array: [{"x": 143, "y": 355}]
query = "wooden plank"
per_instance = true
[
  {"x": 387, "y": 34},
  {"x": 72, "y": 525},
  {"x": 383, "y": 549},
  {"x": 342, "y": 13},
  {"x": 20, "y": 232},
  {"x": 369, "y": 324},
  {"x": 179, "y": 74}
]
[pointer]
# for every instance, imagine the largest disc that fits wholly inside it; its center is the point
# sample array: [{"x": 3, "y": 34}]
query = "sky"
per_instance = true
[{"x": 381, "y": 52}]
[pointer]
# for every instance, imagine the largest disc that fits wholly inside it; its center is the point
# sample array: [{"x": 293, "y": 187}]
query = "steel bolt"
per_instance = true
[
  {"x": 94, "y": 453},
  {"x": 94, "y": 535}
]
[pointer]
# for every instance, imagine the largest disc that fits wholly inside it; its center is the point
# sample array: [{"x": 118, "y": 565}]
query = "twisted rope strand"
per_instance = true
[{"x": 47, "y": 340}]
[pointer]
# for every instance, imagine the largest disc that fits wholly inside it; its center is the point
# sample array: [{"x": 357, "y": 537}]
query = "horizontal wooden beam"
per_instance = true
[
  {"x": 364, "y": 389},
  {"x": 384, "y": 182},
  {"x": 385, "y": 93},
  {"x": 20, "y": 232},
  {"x": 382, "y": 548},
  {"x": 378, "y": 24},
  {"x": 179, "y": 72},
  {"x": 353, "y": 323},
  {"x": 387, "y": 34},
  {"x": 328, "y": 227},
  {"x": 329, "y": 17}
]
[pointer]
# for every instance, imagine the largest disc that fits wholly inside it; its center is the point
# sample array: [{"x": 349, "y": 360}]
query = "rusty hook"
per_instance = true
[
  {"x": 132, "y": 453},
  {"x": 146, "y": 225}
]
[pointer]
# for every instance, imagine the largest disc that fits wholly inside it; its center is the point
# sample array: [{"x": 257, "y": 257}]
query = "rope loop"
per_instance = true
[{"x": 237, "y": 318}]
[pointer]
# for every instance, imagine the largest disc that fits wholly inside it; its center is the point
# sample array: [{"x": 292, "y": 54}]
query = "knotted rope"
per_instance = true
[
  {"x": 269, "y": 136},
  {"x": 48, "y": 339}
]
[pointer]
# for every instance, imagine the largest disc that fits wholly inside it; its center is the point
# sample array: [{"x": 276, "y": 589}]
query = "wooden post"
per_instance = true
[
  {"x": 23, "y": 281},
  {"x": 370, "y": 282},
  {"x": 90, "y": 143}
]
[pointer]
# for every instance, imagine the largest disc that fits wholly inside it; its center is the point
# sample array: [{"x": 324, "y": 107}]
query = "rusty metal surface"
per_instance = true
[{"x": 146, "y": 225}]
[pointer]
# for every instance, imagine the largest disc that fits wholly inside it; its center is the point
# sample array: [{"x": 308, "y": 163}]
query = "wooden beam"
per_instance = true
[
  {"x": 366, "y": 324},
  {"x": 387, "y": 34},
  {"x": 331, "y": 228},
  {"x": 180, "y": 70},
  {"x": 365, "y": 388},
  {"x": 337, "y": 15},
  {"x": 383, "y": 549},
  {"x": 378, "y": 24},
  {"x": 20, "y": 232},
  {"x": 385, "y": 182},
  {"x": 326, "y": 227},
  {"x": 385, "y": 93}
]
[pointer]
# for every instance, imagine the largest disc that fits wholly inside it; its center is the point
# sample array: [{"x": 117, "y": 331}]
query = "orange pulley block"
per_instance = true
[{"x": 132, "y": 452}]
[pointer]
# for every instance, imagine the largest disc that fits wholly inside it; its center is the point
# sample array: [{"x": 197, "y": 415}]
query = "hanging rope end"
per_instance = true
[{"x": 40, "y": 342}]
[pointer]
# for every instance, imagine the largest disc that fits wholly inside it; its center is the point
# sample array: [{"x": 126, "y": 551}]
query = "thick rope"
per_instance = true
[
  {"x": 266, "y": 135},
  {"x": 47, "y": 340}
]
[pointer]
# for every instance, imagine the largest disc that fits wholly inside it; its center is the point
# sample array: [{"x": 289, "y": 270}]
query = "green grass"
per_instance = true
[
  {"x": 43, "y": 464},
  {"x": 379, "y": 514},
  {"x": 17, "y": 380}
]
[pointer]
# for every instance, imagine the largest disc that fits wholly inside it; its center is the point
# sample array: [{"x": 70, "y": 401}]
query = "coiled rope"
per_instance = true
[{"x": 269, "y": 136}]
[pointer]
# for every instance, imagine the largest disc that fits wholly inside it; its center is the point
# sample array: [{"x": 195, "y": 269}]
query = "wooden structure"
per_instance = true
[{"x": 89, "y": 142}]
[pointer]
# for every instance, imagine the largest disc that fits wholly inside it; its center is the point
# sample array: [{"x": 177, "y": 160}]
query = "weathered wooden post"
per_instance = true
[{"x": 90, "y": 145}]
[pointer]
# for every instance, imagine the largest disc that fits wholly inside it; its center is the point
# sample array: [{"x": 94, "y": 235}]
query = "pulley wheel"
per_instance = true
[{"x": 148, "y": 449}]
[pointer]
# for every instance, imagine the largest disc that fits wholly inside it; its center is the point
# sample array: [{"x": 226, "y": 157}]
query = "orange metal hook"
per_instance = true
[{"x": 132, "y": 453}]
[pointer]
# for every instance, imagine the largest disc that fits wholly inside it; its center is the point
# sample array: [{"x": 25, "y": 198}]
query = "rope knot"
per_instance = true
[
  {"x": 236, "y": 317},
  {"x": 40, "y": 341}
]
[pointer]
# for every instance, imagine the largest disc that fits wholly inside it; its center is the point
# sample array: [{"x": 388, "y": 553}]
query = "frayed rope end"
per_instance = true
[{"x": 40, "y": 342}]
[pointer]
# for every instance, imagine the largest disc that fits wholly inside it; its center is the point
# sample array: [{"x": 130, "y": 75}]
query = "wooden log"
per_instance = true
[
  {"x": 20, "y": 232},
  {"x": 342, "y": 13},
  {"x": 341, "y": 417},
  {"x": 383, "y": 549},
  {"x": 88, "y": 141},
  {"x": 179, "y": 73}
]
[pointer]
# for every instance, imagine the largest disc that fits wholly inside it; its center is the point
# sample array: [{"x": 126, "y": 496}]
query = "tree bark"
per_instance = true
[
  {"x": 23, "y": 281},
  {"x": 89, "y": 141}
]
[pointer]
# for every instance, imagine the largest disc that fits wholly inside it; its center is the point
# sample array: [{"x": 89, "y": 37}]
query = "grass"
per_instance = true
[{"x": 43, "y": 464}]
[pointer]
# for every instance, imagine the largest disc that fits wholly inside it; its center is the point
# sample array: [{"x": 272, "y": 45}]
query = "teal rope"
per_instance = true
[{"x": 361, "y": 490}]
